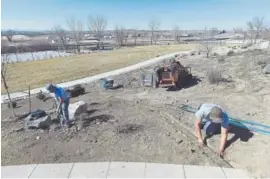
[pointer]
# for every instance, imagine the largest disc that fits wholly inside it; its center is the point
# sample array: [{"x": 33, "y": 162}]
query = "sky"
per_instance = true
[{"x": 187, "y": 14}]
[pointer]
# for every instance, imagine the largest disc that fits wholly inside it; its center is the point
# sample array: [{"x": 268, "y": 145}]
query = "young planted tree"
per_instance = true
[
  {"x": 97, "y": 25},
  {"x": 206, "y": 45},
  {"x": 267, "y": 35},
  {"x": 255, "y": 28},
  {"x": 135, "y": 34},
  {"x": 121, "y": 35},
  {"x": 177, "y": 34},
  {"x": 154, "y": 26},
  {"x": 60, "y": 36},
  {"x": 76, "y": 28},
  {"x": 4, "y": 67}
]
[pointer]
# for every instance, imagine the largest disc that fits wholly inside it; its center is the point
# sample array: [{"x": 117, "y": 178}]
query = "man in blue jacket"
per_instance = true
[{"x": 62, "y": 97}]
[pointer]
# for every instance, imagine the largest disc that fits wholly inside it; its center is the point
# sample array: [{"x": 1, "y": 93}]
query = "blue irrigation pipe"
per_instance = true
[
  {"x": 235, "y": 119},
  {"x": 236, "y": 122}
]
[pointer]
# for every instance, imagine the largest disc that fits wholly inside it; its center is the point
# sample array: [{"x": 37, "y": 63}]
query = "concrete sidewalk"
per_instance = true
[{"x": 118, "y": 170}]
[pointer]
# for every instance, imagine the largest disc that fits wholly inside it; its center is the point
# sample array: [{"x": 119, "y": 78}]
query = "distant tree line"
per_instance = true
[{"x": 27, "y": 48}]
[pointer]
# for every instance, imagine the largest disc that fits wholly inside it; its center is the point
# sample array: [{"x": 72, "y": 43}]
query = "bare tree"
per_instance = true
[
  {"x": 206, "y": 45},
  {"x": 238, "y": 30},
  {"x": 135, "y": 34},
  {"x": 4, "y": 66},
  {"x": 214, "y": 31},
  {"x": 154, "y": 26},
  {"x": 97, "y": 25},
  {"x": 121, "y": 35},
  {"x": 9, "y": 35},
  {"x": 255, "y": 28},
  {"x": 60, "y": 36},
  {"x": 76, "y": 28},
  {"x": 267, "y": 35},
  {"x": 177, "y": 34}
]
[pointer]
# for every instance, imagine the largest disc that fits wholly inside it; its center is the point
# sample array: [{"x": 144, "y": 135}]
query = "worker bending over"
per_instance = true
[
  {"x": 62, "y": 98},
  {"x": 213, "y": 120}
]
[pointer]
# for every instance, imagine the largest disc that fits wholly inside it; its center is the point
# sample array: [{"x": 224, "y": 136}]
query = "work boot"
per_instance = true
[{"x": 69, "y": 123}]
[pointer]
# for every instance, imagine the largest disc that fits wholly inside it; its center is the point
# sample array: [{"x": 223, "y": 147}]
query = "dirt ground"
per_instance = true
[{"x": 143, "y": 124}]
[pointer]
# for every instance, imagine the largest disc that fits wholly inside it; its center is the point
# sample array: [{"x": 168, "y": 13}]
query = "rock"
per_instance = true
[
  {"x": 76, "y": 90},
  {"x": 78, "y": 152},
  {"x": 37, "y": 138},
  {"x": 192, "y": 150},
  {"x": 40, "y": 123},
  {"x": 76, "y": 109},
  {"x": 179, "y": 141},
  {"x": 18, "y": 129},
  {"x": 85, "y": 139},
  {"x": 266, "y": 69},
  {"x": 168, "y": 134}
]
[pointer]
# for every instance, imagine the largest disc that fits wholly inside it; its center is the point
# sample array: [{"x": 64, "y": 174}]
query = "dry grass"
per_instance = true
[
  {"x": 38, "y": 73},
  {"x": 214, "y": 76}
]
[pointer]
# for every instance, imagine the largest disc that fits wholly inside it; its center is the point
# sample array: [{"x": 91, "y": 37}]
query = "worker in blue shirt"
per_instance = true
[
  {"x": 213, "y": 120},
  {"x": 62, "y": 97}
]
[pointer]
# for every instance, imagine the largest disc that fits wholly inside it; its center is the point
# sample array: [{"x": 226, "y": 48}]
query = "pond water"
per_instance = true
[{"x": 28, "y": 56}]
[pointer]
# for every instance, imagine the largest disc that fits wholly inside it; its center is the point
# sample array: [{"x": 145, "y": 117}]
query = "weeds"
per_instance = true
[{"x": 214, "y": 76}]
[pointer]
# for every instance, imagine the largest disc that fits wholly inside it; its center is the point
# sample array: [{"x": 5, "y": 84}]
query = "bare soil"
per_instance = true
[{"x": 143, "y": 124}]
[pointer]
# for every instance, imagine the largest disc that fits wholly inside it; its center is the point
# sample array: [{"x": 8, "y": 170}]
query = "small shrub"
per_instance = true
[
  {"x": 192, "y": 53},
  {"x": 230, "y": 53},
  {"x": 246, "y": 45},
  {"x": 40, "y": 95},
  {"x": 261, "y": 62},
  {"x": 215, "y": 54},
  {"x": 13, "y": 103},
  {"x": 221, "y": 59},
  {"x": 214, "y": 76}
]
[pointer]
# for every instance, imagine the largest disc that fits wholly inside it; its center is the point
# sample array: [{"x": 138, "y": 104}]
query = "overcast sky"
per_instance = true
[{"x": 187, "y": 14}]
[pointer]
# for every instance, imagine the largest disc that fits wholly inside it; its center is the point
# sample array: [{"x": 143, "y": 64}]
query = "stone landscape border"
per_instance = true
[
  {"x": 24, "y": 94},
  {"x": 119, "y": 170}
]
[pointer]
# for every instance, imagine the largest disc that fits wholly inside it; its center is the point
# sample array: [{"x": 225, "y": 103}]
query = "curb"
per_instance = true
[{"x": 119, "y": 170}]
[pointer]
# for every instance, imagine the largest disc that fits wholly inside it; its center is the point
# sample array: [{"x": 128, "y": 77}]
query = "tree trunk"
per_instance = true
[
  {"x": 152, "y": 36},
  {"x": 78, "y": 48},
  {"x": 6, "y": 87},
  {"x": 29, "y": 96},
  {"x": 32, "y": 56},
  {"x": 17, "y": 57}
]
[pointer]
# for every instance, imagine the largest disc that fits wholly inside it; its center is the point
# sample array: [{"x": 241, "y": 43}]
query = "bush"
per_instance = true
[
  {"x": 192, "y": 53},
  {"x": 215, "y": 54},
  {"x": 246, "y": 45},
  {"x": 40, "y": 95},
  {"x": 214, "y": 76},
  {"x": 230, "y": 53},
  {"x": 221, "y": 59},
  {"x": 13, "y": 103}
]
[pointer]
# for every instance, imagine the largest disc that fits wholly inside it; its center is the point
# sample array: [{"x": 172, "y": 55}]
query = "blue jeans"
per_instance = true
[{"x": 64, "y": 112}]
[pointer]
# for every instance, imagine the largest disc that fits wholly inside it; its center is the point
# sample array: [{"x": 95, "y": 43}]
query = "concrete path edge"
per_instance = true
[
  {"x": 119, "y": 170},
  {"x": 24, "y": 94}
]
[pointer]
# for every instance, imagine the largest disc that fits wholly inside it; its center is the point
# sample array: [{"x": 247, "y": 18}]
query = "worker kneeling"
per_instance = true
[
  {"x": 213, "y": 120},
  {"x": 62, "y": 97}
]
